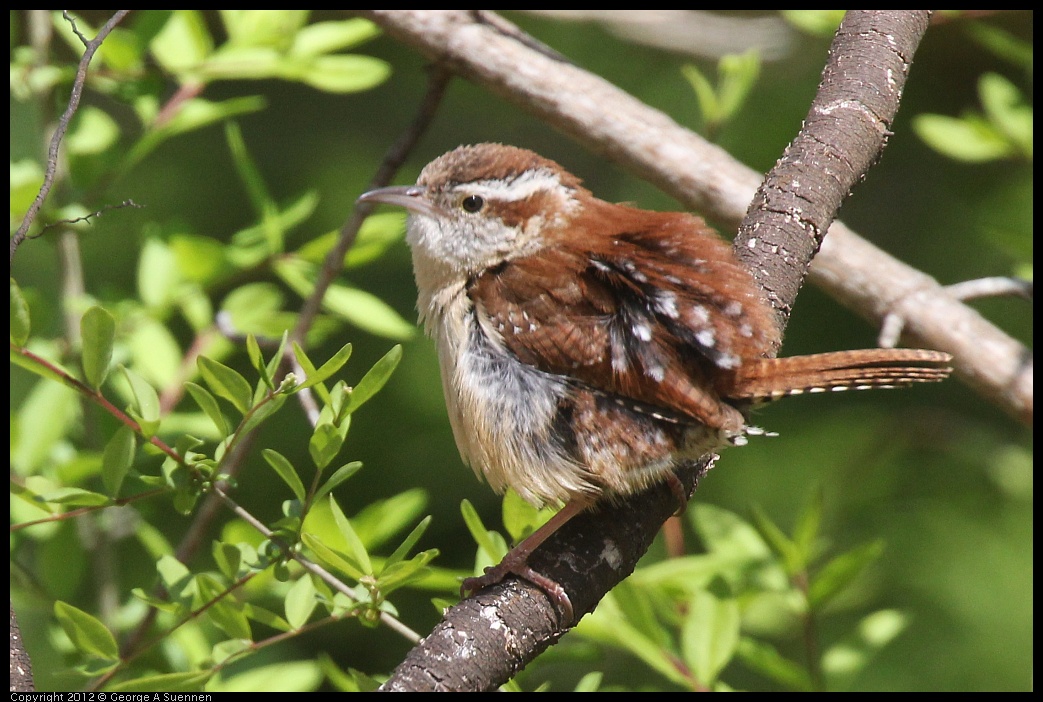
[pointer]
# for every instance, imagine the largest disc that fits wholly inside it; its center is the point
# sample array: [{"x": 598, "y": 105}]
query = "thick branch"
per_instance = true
[
  {"x": 842, "y": 137},
  {"x": 486, "y": 639}
]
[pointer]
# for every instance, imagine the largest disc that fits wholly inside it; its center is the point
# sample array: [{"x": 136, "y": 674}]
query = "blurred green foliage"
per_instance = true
[{"x": 904, "y": 520}]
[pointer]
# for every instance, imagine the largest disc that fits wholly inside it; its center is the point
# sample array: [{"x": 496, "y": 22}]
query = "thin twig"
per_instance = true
[
  {"x": 894, "y": 321},
  {"x": 334, "y": 262},
  {"x": 92, "y": 47},
  {"x": 311, "y": 566},
  {"x": 393, "y": 160}
]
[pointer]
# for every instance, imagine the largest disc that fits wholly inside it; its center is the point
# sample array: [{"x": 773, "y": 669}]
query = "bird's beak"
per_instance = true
[{"x": 411, "y": 197}]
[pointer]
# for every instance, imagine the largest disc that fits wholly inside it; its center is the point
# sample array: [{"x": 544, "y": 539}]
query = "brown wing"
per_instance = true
[{"x": 644, "y": 316}]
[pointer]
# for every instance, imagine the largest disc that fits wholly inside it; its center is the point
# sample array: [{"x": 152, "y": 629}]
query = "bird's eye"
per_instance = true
[{"x": 472, "y": 203}]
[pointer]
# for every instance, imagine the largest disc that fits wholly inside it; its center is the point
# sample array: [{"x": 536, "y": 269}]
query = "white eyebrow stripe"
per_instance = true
[{"x": 519, "y": 188}]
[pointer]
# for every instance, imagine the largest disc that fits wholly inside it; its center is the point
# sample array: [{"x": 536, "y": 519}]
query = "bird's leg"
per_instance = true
[{"x": 517, "y": 559}]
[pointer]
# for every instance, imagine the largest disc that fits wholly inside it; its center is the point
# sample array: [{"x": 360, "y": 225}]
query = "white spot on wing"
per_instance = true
[{"x": 666, "y": 303}]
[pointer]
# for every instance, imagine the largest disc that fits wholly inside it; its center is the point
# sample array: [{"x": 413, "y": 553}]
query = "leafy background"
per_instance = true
[{"x": 941, "y": 479}]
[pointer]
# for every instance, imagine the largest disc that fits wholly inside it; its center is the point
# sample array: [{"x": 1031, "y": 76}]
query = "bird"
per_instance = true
[{"x": 587, "y": 348}]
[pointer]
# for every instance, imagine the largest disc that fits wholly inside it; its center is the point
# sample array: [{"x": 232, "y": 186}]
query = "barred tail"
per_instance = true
[{"x": 771, "y": 378}]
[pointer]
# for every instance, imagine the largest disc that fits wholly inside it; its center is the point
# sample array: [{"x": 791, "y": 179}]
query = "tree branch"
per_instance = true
[{"x": 843, "y": 135}]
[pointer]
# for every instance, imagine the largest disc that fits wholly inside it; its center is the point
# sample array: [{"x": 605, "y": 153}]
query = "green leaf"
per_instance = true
[
  {"x": 252, "y": 246},
  {"x": 589, "y": 682},
  {"x": 358, "y": 307},
  {"x": 328, "y": 368},
  {"x": 295, "y": 676},
  {"x": 402, "y": 573},
  {"x": 821, "y": 23},
  {"x": 300, "y": 602},
  {"x": 520, "y": 518},
  {"x": 338, "y": 477},
  {"x": 199, "y": 259},
  {"x": 253, "y": 351},
  {"x": 377, "y": 234},
  {"x": 638, "y": 607},
  {"x": 609, "y": 625},
  {"x": 738, "y": 74},
  {"x": 1005, "y": 107},
  {"x": 408, "y": 543},
  {"x": 766, "y": 660},
  {"x": 228, "y": 558},
  {"x": 154, "y": 351},
  {"x": 26, "y": 179},
  {"x": 93, "y": 132},
  {"x": 1002, "y": 43},
  {"x": 374, "y": 379},
  {"x": 806, "y": 530},
  {"x": 208, "y": 403},
  {"x": 345, "y": 73},
  {"x": 176, "y": 579},
  {"x": 285, "y": 470},
  {"x": 224, "y": 611},
  {"x": 183, "y": 43},
  {"x": 193, "y": 681},
  {"x": 225, "y": 650},
  {"x": 74, "y": 497},
  {"x": 793, "y": 558},
  {"x": 256, "y": 189},
  {"x": 357, "y": 548},
  {"x": 377, "y": 522},
  {"x": 146, "y": 401},
  {"x": 969, "y": 139},
  {"x": 310, "y": 371},
  {"x": 843, "y": 661},
  {"x": 727, "y": 533},
  {"x": 709, "y": 635},
  {"x": 98, "y": 331},
  {"x": 324, "y": 445},
  {"x": 274, "y": 28},
  {"x": 332, "y": 558},
  {"x": 482, "y": 536},
  {"x": 48, "y": 412},
  {"x": 327, "y": 37},
  {"x": 34, "y": 366},
  {"x": 266, "y": 617},
  {"x": 841, "y": 572},
  {"x": 704, "y": 91},
  {"x": 194, "y": 114},
  {"x": 20, "y": 324},
  {"x": 117, "y": 459},
  {"x": 226, "y": 383},
  {"x": 158, "y": 275},
  {"x": 87, "y": 633},
  {"x": 367, "y": 312}
]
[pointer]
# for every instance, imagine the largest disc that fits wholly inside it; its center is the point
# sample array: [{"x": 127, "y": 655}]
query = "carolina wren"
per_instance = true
[{"x": 587, "y": 348}]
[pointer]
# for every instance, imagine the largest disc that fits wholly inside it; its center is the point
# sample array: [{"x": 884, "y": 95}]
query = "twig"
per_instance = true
[
  {"x": 63, "y": 123},
  {"x": 334, "y": 261},
  {"x": 393, "y": 160},
  {"x": 894, "y": 322}
]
